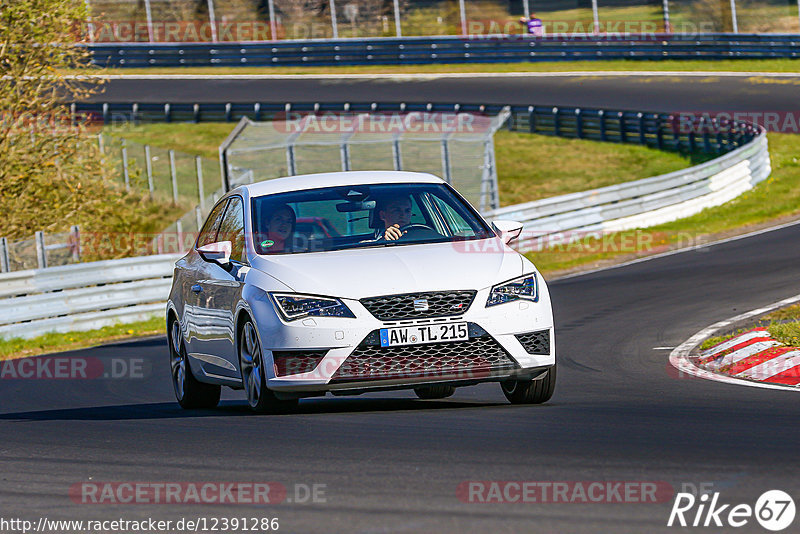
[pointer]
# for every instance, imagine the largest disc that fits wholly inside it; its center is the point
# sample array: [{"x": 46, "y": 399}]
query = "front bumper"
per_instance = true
[{"x": 350, "y": 345}]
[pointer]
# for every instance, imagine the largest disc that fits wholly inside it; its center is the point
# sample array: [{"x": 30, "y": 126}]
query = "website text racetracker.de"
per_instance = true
[
  {"x": 564, "y": 492},
  {"x": 150, "y": 525},
  {"x": 207, "y": 492}
]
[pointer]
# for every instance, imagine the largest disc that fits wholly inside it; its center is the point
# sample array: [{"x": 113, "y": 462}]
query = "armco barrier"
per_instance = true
[
  {"x": 659, "y": 130},
  {"x": 447, "y": 49},
  {"x": 84, "y": 296},
  {"x": 92, "y": 295},
  {"x": 642, "y": 203}
]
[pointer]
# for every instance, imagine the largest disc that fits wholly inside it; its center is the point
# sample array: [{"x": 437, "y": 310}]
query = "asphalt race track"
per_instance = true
[
  {"x": 650, "y": 93},
  {"x": 392, "y": 463}
]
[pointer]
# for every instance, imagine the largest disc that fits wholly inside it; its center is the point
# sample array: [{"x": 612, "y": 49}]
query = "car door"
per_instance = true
[
  {"x": 190, "y": 268},
  {"x": 219, "y": 291}
]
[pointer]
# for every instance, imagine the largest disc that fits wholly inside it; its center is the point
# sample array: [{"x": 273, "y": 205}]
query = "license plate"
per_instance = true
[{"x": 417, "y": 335}]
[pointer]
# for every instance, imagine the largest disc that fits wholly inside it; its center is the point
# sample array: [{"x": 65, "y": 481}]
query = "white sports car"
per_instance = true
[{"x": 352, "y": 282}]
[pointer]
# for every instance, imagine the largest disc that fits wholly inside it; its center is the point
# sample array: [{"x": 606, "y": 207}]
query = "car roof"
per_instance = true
[{"x": 333, "y": 179}]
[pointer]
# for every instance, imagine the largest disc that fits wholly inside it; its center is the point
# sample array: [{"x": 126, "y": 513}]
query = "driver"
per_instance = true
[{"x": 395, "y": 214}]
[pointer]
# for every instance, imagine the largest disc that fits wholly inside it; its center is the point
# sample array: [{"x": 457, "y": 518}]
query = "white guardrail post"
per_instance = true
[
  {"x": 5, "y": 265},
  {"x": 174, "y": 176},
  {"x": 41, "y": 252}
]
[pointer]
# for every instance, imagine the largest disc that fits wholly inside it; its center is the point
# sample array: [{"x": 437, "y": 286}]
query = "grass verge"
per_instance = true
[
  {"x": 19, "y": 348},
  {"x": 201, "y": 139},
  {"x": 529, "y": 167},
  {"x": 773, "y": 200},
  {"x": 622, "y": 65},
  {"x": 783, "y": 325}
]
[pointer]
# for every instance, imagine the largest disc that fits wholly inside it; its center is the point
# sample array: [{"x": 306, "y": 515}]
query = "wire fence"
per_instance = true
[
  {"x": 167, "y": 176},
  {"x": 458, "y": 146},
  {"x": 158, "y": 21},
  {"x": 41, "y": 251}
]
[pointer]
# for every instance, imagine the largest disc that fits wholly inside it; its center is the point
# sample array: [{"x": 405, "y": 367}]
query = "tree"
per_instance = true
[{"x": 52, "y": 174}]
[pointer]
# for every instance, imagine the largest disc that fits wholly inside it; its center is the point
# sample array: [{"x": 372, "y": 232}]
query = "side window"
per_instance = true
[
  {"x": 208, "y": 234},
  {"x": 232, "y": 228},
  {"x": 455, "y": 221}
]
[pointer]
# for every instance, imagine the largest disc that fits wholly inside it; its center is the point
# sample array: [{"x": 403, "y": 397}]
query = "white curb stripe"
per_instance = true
[
  {"x": 733, "y": 342},
  {"x": 743, "y": 353},
  {"x": 679, "y": 358},
  {"x": 772, "y": 367}
]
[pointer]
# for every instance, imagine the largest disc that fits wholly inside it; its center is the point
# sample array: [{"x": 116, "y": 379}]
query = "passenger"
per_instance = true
[{"x": 278, "y": 230}]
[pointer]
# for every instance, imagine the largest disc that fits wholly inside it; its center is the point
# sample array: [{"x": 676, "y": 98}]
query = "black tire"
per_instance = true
[
  {"x": 535, "y": 391},
  {"x": 434, "y": 392},
  {"x": 254, "y": 380},
  {"x": 191, "y": 393}
]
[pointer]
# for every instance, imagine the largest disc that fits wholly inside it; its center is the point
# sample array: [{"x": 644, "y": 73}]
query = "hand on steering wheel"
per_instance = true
[{"x": 396, "y": 231}]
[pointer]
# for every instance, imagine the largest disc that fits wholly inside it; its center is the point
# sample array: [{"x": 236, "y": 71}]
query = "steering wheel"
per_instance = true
[
  {"x": 417, "y": 231},
  {"x": 415, "y": 227}
]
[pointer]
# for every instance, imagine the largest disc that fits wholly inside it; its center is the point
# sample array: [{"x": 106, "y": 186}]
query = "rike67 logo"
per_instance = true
[{"x": 774, "y": 510}]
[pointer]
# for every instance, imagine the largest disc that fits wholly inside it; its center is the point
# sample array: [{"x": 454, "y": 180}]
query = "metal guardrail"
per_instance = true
[
  {"x": 664, "y": 131},
  {"x": 447, "y": 49},
  {"x": 84, "y": 296},
  {"x": 642, "y": 203},
  {"x": 92, "y": 295}
]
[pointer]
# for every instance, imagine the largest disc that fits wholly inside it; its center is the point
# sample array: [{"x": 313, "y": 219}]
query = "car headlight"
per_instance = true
[
  {"x": 294, "y": 306},
  {"x": 522, "y": 288}
]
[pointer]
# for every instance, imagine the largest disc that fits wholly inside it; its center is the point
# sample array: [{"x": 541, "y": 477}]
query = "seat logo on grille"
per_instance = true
[{"x": 421, "y": 305}]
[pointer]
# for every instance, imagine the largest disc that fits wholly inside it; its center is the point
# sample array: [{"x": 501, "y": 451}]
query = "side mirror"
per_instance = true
[
  {"x": 219, "y": 253},
  {"x": 508, "y": 231}
]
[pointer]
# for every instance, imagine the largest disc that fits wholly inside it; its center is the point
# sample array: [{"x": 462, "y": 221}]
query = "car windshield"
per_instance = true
[{"x": 337, "y": 218}]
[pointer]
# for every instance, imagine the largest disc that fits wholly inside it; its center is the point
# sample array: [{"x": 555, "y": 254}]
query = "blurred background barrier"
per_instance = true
[
  {"x": 221, "y": 21},
  {"x": 427, "y": 50},
  {"x": 169, "y": 175}
]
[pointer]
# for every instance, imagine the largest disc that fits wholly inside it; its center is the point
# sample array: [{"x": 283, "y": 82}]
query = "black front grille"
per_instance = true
[
  {"x": 474, "y": 358},
  {"x": 439, "y": 304},
  {"x": 535, "y": 342},
  {"x": 295, "y": 362}
]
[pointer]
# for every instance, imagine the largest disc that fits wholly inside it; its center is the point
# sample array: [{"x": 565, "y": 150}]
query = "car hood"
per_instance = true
[{"x": 359, "y": 273}]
